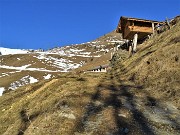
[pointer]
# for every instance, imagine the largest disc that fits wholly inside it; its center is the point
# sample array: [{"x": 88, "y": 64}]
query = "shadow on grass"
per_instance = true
[
  {"x": 116, "y": 92},
  {"x": 26, "y": 121}
]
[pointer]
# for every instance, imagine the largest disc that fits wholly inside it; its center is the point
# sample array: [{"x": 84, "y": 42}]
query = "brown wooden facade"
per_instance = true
[{"x": 131, "y": 26}]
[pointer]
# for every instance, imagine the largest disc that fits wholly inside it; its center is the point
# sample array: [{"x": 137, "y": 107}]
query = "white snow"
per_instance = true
[
  {"x": 63, "y": 51},
  {"x": 23, "y": 68},
  {"x": 47, "y": 76},
  {"x": 94, "y": 42},
  {"x": 85, "y": 53},
  {"x": 1, "y": 90},
  {"x": 63, "y": 64},
  {"x": 6, "y": 51},
  {"x": 23, "y": 81},
  {"x": 8, "y": 73},
  {"x": 32, "y": 79},
  {"x": 76, "y": 50}
]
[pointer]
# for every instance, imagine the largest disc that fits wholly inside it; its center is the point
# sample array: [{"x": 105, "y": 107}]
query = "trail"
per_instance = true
[{"x": 121, "y": 107}]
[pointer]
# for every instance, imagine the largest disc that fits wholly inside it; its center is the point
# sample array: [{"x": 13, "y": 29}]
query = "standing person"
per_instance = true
[
  {"x": 158, "y": 28},
  {"x": 100, "y": 67}
]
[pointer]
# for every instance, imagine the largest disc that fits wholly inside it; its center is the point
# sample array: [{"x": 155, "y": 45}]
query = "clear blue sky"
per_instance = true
[{"x": 48, "y": 23}]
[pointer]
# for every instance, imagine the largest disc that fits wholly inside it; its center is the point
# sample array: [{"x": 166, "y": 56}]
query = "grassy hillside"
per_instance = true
[
  {"x": 19, "y": 69},
  {"x": 139, "y": 95},
  {"x": 156, "y": 65},
  {"x": 52, "y": 107}
]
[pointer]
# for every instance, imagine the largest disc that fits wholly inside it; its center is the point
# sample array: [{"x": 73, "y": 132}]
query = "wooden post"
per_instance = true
[
  {"x": 112, "y": 53},
  {"x": 135, "y": 42},
  {"x": 130, "y": 50},
  {"x": 167, "y": 21},
  {"x": 127, "y": 43},
  {"x": 153, "y": 27}
]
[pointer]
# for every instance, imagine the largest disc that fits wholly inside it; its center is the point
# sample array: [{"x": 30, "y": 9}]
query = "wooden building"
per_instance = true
[
  {"x": 101, "y": 68},
  {"x": 130, "y": 26},
  {"x": 136, "y": 29}
]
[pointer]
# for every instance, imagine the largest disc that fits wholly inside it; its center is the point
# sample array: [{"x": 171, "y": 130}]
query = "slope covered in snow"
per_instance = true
[{"x": 7, "y": 51}]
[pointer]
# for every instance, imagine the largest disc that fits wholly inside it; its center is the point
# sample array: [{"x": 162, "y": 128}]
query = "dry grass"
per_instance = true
[
  {"x": 156, "y": 65},
  {"x": 46, "y": 108},
  {"x": 12, "y": 77},
  {"x": 94, "y": 62},
  {"x": 96, "y": 103}
]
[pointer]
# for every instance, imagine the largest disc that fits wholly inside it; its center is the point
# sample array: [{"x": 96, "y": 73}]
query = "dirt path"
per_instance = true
[{"x": 121, "y": 107}]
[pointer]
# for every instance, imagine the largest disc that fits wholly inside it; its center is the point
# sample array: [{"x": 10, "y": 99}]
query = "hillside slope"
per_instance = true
[
  {"x": 20, "y": 67},
  {"x": 156, "y": 65},
  {"x": 139, "y": 95}
]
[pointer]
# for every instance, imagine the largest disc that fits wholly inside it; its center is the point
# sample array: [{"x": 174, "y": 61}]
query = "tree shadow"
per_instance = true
[
  {"x": 114, "y": 100},
  {"x": 26, "y": 121},
  {"x": 164, "y": 112}
]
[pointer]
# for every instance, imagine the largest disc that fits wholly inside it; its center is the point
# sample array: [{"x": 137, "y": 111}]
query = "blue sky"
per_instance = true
[{"x": 49, "y": 23}]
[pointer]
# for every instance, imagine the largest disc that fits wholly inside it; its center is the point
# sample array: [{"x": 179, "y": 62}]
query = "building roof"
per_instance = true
[
  {"x": 137, "y": 19},
  {"x": 124, "y": 19}
]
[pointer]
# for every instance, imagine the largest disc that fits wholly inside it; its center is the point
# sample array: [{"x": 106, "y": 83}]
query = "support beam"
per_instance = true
[
  {"x": 135, "y": 42},
  {"x": 130, "y": 50},
  {"x": 153, "y": 27},
  {"x": 112, "y": 53}
]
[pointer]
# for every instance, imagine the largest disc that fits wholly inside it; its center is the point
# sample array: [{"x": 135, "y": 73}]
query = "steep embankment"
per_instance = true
[{"x": 156, "y": 65}]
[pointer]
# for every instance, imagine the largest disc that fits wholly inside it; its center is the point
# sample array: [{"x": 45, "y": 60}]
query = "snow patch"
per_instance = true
[
  {"x": 23, "y": 81},
  {"x": 32, "y": 80},
  {"x": 47, "y": 76},
  {"x": 1, "y": 90},
  {"x": 63, "y": 64},
  {"x": 8, "y": 73},
  {"x": 6, "y": 51},
  {"x": 25, "y": 66},
  {"x": 28, "y": 69}
]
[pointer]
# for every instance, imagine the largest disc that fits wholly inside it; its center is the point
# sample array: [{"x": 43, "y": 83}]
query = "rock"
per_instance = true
[
  {"x": 3, "y": 110},
  {"x": 67, "y": 115},
  {"x": 126, "y": 130},
  {"x": 122, "y": 115}
]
